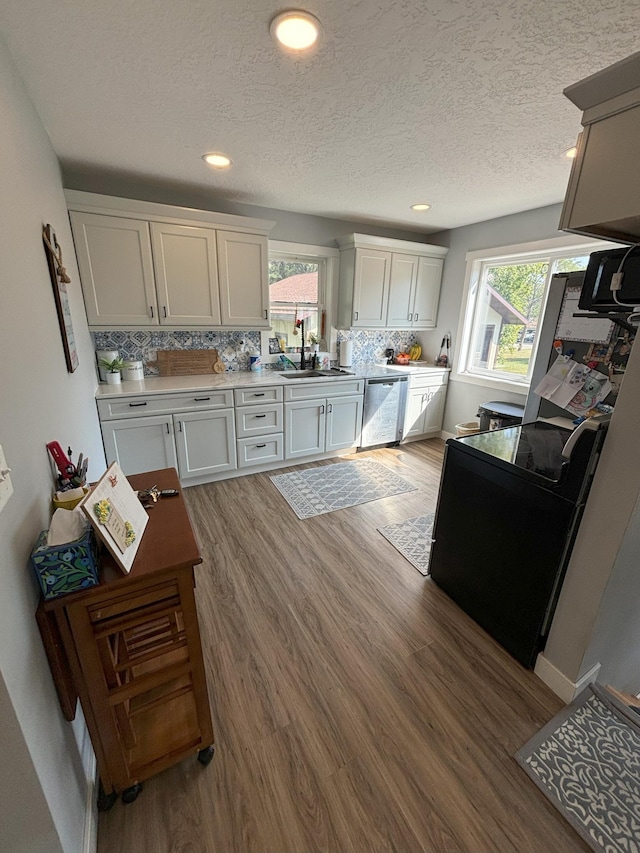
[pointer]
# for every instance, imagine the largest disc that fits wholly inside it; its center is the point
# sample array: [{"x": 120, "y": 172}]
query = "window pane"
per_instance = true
[
  {"x": 507, "y": 313},
  {"x": 293, "y": 294},
  {"x": 571, "y": 264}
]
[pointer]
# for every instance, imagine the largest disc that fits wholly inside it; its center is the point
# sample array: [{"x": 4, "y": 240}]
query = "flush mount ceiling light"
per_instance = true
[
  {"x": 571, "y": 152},
  {"x": 295, "y": 30},
  {"x": 421, "y": 206},
  {"x": 217, "y": 160}
]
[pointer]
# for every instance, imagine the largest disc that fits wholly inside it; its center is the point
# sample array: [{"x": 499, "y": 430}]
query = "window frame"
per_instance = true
[
  {"x": 328, "y": 267},
  {"x": 476, "y": 261}
]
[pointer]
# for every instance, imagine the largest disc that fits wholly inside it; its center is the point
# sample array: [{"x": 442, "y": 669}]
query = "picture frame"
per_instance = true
[{"x": 59, "y": 281}]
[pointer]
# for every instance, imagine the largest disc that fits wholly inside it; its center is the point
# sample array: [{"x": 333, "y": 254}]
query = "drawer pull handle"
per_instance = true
[
  {"x": 261, "y": 445},
  {"x": 201, "y": 399},
  {"x": 164, "y": 310},
  {"x": 266, "y": 314},
  {"x": 261, "y": 394},
  {"x": 260, "y": 416},
  {"x": 151, "y": 311},
  {"x": 180, "y": 425},
  {"x": 136, "y": 405},
  {"x": 168, "y": 429}
]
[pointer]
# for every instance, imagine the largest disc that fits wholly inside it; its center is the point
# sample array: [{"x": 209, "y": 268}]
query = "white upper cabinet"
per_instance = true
[
  {"x": 388, "y": 283},
  {"x": 186, "y": 268},
  {"x": 144, "y": 264},
  {"x": 116, "y": 269},
  {"x": 603, "y": 195},
  {"x": 244, "y": 282}
]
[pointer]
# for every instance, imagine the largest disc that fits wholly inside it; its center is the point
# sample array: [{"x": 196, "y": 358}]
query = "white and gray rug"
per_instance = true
[
  {"x": 413, "y": 539},
  {"x": 327, "y": 488},
  {"x": 587, "y": 762}
]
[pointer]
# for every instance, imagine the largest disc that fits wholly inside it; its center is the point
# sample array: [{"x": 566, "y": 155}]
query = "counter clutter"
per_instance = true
[{"x": 212, "y": 427}]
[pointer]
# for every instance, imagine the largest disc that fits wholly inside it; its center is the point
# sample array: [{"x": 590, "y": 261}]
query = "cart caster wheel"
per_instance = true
[
  {"x": 205, "y": 755},
  {"x": 131, "y": 794},
  {"x": 105, "y": 801}
]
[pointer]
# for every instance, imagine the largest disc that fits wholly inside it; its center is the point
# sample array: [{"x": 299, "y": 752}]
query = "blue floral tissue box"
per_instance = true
[{"x": 66, "y": 568}]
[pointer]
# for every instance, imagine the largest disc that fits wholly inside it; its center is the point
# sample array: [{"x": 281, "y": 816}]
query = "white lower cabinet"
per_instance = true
[
  {"x": 140, "y": 444},
  {"x": 206, "y": 442},
  {"x": 323, "y": 425},
  {"x": 425, "y": 405}
]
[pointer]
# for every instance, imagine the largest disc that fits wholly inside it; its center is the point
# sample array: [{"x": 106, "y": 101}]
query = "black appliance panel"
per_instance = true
[
  {"x": 596, "y": 292},
  {"x": 498, "y": 542}
]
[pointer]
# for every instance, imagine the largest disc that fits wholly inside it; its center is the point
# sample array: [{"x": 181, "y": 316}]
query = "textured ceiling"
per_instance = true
[{"x": 455, "y": 103}]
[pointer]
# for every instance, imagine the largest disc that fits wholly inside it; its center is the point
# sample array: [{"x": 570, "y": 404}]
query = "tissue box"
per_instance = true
[{"x": 66, "y": 568}]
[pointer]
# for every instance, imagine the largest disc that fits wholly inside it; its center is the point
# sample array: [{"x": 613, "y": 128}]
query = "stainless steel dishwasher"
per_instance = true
[{"x": 384, "y": 404}]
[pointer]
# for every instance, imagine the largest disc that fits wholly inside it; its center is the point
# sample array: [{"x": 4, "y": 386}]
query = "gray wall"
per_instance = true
[
  {"x": 43, "y": 785},
  {"x": 292, "y": 227},
  {"x": 463, "y": 398}
]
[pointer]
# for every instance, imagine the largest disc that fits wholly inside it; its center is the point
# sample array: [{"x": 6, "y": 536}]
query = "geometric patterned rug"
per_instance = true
[
  {"x": 413, "y": 539},
  {"x": 326, "y": 488},
  {"x": 586, "y": 761}
]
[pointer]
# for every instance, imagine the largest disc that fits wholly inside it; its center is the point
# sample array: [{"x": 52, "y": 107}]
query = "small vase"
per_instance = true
[{"x": 113, "y": 378}]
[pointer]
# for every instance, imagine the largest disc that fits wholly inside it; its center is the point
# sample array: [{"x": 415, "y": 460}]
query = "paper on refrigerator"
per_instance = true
[{"x": 573, "y": 386}]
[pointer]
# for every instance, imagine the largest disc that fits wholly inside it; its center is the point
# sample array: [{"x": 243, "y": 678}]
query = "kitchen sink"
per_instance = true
[{"x": 312, "y": 374}]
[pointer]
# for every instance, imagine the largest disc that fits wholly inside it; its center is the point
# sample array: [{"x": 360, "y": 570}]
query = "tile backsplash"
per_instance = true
[{"x": 368, "y": 346}]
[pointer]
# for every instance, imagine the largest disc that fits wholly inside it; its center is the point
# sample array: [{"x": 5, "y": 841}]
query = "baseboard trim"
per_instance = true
[
  {"x": 562, "y": 686},
  {"x": 445, "y": 435},
  {"x": 90, "y": 838}
]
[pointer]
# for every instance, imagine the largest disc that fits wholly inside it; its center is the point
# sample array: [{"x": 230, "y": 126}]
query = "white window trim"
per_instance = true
[
  {"x": 505, "y": 254},
  {"x": 327, "y": 287}
]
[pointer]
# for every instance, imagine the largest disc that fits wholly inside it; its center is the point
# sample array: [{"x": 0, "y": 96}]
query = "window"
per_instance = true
[
  {"x": 504, "y": 306},
  {"x": 302, "y": 281}
]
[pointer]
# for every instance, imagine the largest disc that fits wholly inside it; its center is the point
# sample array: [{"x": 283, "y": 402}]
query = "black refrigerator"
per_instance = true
[{"x": 508, "y": 511}]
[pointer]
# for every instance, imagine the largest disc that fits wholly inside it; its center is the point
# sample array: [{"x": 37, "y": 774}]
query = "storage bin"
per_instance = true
[
  {"x": 470, "y": 428},
  {"x": 66, "y": 568}
]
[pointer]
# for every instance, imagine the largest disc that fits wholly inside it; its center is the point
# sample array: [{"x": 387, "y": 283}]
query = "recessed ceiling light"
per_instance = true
[
  {"x": 420, "y": 206},
  {"x": 571, "y": 152},
  {"x": 217, "y": 160},
  {"x": 295, "y": 30}
]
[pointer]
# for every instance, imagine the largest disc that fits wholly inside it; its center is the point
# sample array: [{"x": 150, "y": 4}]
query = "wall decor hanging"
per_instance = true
[{"x": 59, "y": 281}]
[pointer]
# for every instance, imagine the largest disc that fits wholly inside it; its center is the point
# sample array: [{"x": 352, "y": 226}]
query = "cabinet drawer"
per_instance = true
[
  {"x": 259, "y": 420},
  {"x": 320, "y": 390},
  {"x": 158, "y": 404},
  {"x": 428, "y": 380},
  {"x": 248, "y": 396},
  {"x": 258, "y": 451}
]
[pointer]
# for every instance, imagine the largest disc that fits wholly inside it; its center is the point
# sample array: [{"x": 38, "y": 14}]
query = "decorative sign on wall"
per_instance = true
[{"x": 60, "y": 280}]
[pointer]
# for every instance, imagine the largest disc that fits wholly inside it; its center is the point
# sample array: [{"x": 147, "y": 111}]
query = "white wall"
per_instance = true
[
  {"x": 463, "y": 398},
  {"x": 40, "y": 401}
]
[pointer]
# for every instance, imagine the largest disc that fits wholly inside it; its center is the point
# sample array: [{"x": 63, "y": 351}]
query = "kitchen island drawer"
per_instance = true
[
  {"x": 249, "y": 396},
  {"x": 259, "y": 451},
  {"x": 159, "y": 404},
  {"x": 259, "y": 420}
]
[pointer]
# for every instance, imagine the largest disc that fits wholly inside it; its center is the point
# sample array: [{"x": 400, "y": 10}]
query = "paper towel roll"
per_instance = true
[{"x": 346, "y": 353}]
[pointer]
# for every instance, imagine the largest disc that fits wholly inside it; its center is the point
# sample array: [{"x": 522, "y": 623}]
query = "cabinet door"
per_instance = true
[
  {"x": 427, "y": 293},
  {"x": 371, "y": 288},
  {"x": 414, "y": 417},
  {"x": 206, "y": 442},
  {"x": 434, "y": 408},
  {"x": 304, "y": 428},
  {"x": 402, "y": 286},
  {"x": 140, "y": 444},
  {"x": 116, "y": 270},
  {"x": 186, "y": 269},
  {"x": 244, "y": 287},
  {"x": 344, "y": 422}
]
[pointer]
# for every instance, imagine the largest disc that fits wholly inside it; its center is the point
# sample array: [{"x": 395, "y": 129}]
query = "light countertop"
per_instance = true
[{"x": 246, "y": 379}]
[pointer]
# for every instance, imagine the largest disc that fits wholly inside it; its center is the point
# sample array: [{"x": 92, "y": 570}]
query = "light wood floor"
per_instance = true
[{"x": 356, "y": 708}]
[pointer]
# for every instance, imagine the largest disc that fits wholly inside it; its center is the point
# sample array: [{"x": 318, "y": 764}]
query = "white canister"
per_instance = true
[
  {"x": 133, "y": 371},
  {"x": 108, "y": 355}
]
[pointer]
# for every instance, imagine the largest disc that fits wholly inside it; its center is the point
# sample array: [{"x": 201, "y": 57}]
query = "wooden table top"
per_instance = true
[{"x": 167, "y": 543}]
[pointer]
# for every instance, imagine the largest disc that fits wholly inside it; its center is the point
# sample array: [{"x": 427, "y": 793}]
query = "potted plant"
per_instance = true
[
  {"x": 314, "y": 341},
  {"x": 113, "y": 369}
]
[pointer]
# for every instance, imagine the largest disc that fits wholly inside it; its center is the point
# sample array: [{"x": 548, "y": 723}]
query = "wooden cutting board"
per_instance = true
[{"x": 188, "y": 362}]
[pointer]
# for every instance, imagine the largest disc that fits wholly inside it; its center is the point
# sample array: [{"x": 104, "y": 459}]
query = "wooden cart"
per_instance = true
[{"x": 130, "y": 649}]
